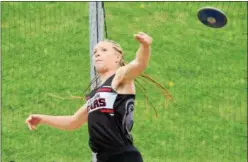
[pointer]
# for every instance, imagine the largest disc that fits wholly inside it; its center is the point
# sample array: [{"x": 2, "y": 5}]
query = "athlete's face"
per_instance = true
[{"x": 105, "y": 57}]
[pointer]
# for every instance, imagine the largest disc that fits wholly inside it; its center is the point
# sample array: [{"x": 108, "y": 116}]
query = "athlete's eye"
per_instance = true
[
  {"x": 104, "y": 49},
  {"x": 95, "y": 51}
]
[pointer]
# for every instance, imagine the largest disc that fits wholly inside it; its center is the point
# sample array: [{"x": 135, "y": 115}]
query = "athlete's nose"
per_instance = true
[{"x": 97, "y": 55}]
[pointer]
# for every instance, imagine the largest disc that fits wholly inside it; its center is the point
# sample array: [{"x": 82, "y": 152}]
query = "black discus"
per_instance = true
[{"x": 212, "y": 17}]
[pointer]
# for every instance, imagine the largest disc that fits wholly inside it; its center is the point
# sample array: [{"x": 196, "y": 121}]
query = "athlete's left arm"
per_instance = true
[{"x": 139, "y": 64}]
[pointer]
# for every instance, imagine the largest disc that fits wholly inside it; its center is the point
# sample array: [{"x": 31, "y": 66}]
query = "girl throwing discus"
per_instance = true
[{"x": 110, "y": 106}]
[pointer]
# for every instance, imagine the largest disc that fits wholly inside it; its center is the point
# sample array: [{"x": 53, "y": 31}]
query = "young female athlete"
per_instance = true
[{"x": 109, "y": 107}]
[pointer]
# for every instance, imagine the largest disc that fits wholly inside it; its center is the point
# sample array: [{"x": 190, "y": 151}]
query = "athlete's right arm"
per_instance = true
[{"x": 60, "y": 122}]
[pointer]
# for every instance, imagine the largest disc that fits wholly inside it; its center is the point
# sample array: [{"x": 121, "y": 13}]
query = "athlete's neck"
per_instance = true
[{"x": 106, "y": 75}]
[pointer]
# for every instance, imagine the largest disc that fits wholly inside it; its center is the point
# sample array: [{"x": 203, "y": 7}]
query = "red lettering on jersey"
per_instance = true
[
  {"x": 96, "y": 104},
  {"x": 99, "y": 102},
  {"x": 102, "y": 102}
]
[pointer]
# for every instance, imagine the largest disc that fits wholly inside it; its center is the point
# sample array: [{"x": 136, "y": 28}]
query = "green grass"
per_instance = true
[{"x": 45, "y": 49}]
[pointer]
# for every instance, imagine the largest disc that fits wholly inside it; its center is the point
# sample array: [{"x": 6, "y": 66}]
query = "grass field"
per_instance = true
[{"x": 45, "y": 49}]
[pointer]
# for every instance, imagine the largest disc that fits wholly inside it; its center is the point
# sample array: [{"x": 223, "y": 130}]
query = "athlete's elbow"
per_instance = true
[
  {"x": 72, "y": 128},
  {"x": 74, "y": 125},
  {"x": 141, "y": 66}
]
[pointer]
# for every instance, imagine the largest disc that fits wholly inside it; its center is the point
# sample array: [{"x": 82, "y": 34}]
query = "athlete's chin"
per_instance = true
[{"x": 100, "y": 69}]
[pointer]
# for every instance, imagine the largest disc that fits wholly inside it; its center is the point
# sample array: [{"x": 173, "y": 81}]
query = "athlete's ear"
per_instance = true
[{"x": 118, "y": 59}]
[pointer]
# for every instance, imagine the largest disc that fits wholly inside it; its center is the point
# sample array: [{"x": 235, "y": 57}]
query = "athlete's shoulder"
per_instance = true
[{"x": 127, "y": 87}]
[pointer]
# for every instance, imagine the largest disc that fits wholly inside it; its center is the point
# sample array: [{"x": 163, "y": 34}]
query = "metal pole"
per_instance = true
[
  {"x": 1, "y": 84},
  {"x": 100, "y": 20},
  {"x": 93, "y": 37},
  {"x": 96, "y": 27}
]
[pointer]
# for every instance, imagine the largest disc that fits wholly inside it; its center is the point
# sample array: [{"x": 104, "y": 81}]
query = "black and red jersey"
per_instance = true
[{"x": 110, "y": 119}]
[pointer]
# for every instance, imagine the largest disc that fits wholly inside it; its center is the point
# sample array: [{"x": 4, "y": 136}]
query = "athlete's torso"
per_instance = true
[{"x": 110, "y": 118}]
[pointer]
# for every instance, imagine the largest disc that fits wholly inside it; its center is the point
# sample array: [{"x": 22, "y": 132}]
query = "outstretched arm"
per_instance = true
[
  {"x": 139, "y": 64},
  {"x": 60, "y": 122}
]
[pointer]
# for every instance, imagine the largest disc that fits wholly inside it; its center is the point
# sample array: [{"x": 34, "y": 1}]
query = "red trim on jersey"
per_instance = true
[
  {"x": 107, "y": 110},
  {"x": 104, "y": 89}
]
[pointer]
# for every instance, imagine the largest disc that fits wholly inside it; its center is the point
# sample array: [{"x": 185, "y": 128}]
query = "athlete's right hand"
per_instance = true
[{"x": 33, "y": 120}]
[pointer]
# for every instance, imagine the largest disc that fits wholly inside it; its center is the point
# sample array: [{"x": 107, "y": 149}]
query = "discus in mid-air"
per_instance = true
[{"x": 212, "y": 17}]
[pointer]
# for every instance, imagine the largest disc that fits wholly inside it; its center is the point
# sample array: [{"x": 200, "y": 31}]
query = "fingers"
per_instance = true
[
  {"x": 31, "y": 127},
  {"x": 141, "y": 34},
  {"x": 139, "y": 37},
  {"x": 143, "y": 38},
  {"x": 29, "y": 123},
  {"x": 28, "y": 119}
]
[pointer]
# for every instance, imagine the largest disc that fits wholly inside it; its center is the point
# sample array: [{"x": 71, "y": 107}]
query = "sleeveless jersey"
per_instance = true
[{"x": 110, "y": 118}]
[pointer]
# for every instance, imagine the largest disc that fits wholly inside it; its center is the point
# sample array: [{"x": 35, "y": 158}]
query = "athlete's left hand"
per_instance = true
[{"x": 143, "y": 38}]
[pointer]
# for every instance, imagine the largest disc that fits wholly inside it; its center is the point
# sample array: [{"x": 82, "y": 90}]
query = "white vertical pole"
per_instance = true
[
  {"x": 100, "y": 19},
  {"x": 0, "y": 85},
  {"x": 96, "y": 28},
  {"x": 93, "y": 37}
]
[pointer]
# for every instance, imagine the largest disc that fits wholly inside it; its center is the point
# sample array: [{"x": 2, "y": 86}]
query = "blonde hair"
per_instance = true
[{"x": 143, "y": 76}]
